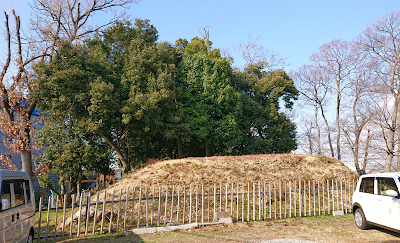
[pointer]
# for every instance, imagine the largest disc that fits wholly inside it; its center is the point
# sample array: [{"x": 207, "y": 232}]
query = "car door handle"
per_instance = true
[{"x": 378, "y": 200}]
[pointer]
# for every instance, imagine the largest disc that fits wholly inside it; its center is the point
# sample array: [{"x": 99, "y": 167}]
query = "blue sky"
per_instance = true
[{"x": 295, "y": 29}]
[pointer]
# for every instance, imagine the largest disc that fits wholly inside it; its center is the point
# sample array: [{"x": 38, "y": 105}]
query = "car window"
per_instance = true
[
  {"x": 5, "y": 197},
  {"x": 19, "y": 193},
  {"x": 367, "y": 185},
  {"x": 27, "y": 191},
  {"x": 386, "y": 184}
]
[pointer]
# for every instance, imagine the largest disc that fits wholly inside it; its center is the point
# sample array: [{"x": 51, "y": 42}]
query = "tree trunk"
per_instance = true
[
  {"x": 125, "y": 163},
  {"x": 179, "y": 147},
  {"x": 369, "y": 137},
  {"x": 310, "y": 143},
  {"x": 62, "y": 186},
  {"x": 79, "y": 185},
  {"x": 337, "y": 123},
  {"x": 26, "y": 161},
  {"x": 391, "y": 141},
  {"x": 207, "y": 149},
  {"x": 318, "y": 130},
  {"x": 328, "y": 131},
  {"x": 398, "y": 140}
]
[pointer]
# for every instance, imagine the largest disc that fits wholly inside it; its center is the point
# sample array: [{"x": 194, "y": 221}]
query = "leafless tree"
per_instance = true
[
  {"x": 253, "y": 53},
  {"x": 336, "y": 58},
  {"x": 361, "y": 82},
  {"x": 312, "y": 84},
  {"x": 205, "y": 33},
  {"x": 381, "y": 41}
]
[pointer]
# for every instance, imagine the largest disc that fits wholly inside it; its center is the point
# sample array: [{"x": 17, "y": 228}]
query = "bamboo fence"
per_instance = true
[{"x": 110, "y": 211}]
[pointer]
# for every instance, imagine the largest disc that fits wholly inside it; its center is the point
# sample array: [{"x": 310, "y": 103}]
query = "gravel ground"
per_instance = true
[{"x": 287, "y": 241}]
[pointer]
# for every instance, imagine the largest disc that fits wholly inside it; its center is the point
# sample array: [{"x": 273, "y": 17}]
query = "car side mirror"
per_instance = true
[{"x": 391, "y": 193}]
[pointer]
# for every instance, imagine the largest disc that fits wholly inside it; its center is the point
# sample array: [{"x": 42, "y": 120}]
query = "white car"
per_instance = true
[
  {"x": 17, "y": 208},
  {"x": 376, "y": 201}
]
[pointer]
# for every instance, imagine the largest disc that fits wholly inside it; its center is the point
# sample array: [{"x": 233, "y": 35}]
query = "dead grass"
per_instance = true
[{"x": 237, "y": 169}]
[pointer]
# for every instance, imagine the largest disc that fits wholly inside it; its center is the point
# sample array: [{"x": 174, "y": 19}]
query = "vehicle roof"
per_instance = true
[
  {"x": 389, "y": 174},
  {"x": 13, "y": 173}
]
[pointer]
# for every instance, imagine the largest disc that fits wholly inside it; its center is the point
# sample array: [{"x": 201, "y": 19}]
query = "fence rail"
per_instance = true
[{"x": 179, "y": 204}]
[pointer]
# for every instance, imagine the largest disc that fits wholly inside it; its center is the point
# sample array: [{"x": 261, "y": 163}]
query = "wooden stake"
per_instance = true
[
  {"x": 133, "y": 207},
  {"x": 80, "y": 217},
  {"x": 40, "y": 218},
  {"x": 139, "y": 206},
  {"x": 166, "y": 205},
  {"x": 172, "y": 202},
  {"x": 202, "y": 203},
  {"x": 147, "y": 206},
  {"x": 152, "y": 208},
  {"x": 243, "y": 204},
  {"x": 190, "y": 205},
  {"x": 126, "y": 207},
  {"x": 177, "y": 208},
  {"x": 64, "y": 214},
  {"x": 119, "y": 208},
  {"x": 87, "y": 214},
  {"x": 55, "y": 220},
  {"x": 270, "y": 205},
  {"x": 95, "y": 212},
  {"x": 103, "y": 212},
  {"x": 159, "y": 206},
  {"x": 112, "y": 210}
]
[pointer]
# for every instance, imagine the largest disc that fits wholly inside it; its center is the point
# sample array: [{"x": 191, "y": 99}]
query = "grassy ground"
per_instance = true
[{"x": 319, "y": 229}]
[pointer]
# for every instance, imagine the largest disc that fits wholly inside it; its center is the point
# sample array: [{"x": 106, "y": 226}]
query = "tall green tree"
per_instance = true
[
  {"x": 264, "y": 128},
  {"x": 113, "y": 86},
  {"x": 210, "y": 104}
]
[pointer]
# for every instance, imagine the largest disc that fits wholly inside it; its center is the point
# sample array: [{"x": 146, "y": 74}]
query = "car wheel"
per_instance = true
[
  {"x": 360, "y": 220},
  {"x": 30, "y": 237}
]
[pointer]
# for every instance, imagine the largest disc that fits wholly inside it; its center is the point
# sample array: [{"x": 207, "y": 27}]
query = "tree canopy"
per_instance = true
[{"x": 148, "y": 99}]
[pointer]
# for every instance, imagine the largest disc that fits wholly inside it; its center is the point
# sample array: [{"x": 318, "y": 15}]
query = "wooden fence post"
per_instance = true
[
  {"x": 147, "y": 206},
  {"x": 190, "y": 205},
  {"x": 103, "y": 212},
  {"x": 184, "y": 203},
  {"x": 64, "y": 214},
  {"x": 172, "y": 202},
  {"x": 152, "y": 209},
  {"x": 197, "y": 197},
  {"x": 79, "y": 216},
  {"x": 177, "y": 208},
  {"x": 40, "y": 217},
  {"x": 270, "y": 202},
  {"x": 259, "y": 201},
  {"x": 139, "y": 206},
  {"x": 126, "y": 206},
  {"x": 87, "y": 214},
  {"x": 202, "y": 203},
  {"x": 112, "y": 211},
  {"x": 254, "y": 202},
  {"x": 290, "y": 199},
  {"x": 119, "y": 208},
  {"x": 166, "y": 205},
  {"x": 133, "y": 207},
  {"x": 95, "y": 212},
  {"x": 159, "y": 206},
  {"x": 48, "y": 217}
]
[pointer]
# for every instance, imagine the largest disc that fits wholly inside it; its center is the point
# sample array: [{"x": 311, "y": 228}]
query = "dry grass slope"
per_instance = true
[{"x": 246, "y": 168}]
